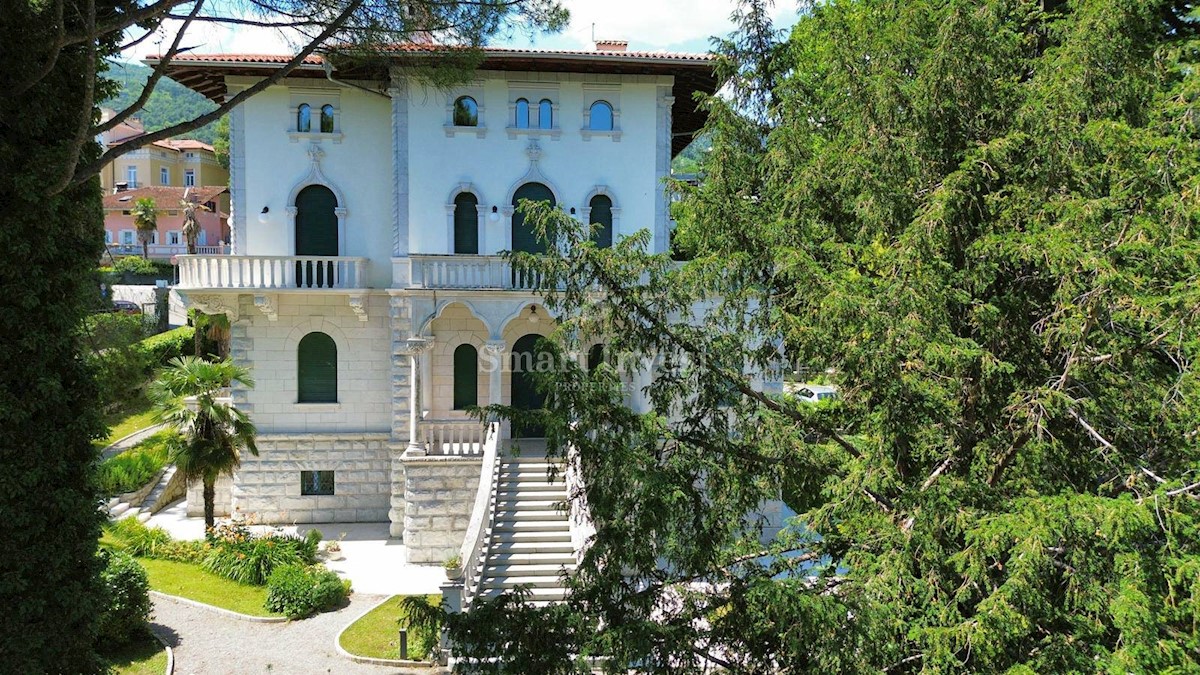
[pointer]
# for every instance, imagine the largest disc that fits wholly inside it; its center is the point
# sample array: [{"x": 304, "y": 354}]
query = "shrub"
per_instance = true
[
  {"x": 110, "y": 329},
  {"x": 297, "y": 591},
  {"x": 126, "y": 612},
  {"x": 132, "y": 264},
  {"x": 138, "y": 539},
  {"x": 138, "y": 465},
  {"x": 237, "y": 554},
  {"x": 161, "y": 348}
]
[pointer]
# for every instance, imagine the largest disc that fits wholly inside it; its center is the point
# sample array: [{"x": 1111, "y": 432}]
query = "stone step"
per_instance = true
[
  {"x": 558, "y": 524},
  {"x": 531, "y": 503},
  {"x": 144, "y": 516},
  {"x": 119, "y": 509},
  {"x": 550, "y": 581},
  {"x": 529, "y": 514},
  {"x": 537, "y": 596},
  {"x": 555, "y": 559},
  {"x": 541, "y": 536},
  {"x": 112, "y": 503},
  {"x": 500, "y": 548},
  {"x": 129, "y": 513},
  {"x": 506, "y": 571},
  {"x": 531, "y": 488}
]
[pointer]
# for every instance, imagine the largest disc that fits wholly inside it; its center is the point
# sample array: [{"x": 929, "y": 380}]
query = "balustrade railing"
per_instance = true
[
  {"x": 244, "y": 271},
  {"x": 452, "y": 437},
  {"x": 470, "y": 272}
]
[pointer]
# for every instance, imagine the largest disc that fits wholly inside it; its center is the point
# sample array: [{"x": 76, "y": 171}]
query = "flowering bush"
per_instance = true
[{"x": 237, "y": 553}]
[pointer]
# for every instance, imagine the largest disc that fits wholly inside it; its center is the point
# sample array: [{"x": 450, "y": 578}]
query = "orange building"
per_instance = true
[{"x": 120, "y": 233}]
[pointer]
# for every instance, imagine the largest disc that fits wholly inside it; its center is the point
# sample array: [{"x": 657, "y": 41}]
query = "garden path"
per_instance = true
[
  {"x": 131, "y": 440},
  {"x": 207, "y": 642}
]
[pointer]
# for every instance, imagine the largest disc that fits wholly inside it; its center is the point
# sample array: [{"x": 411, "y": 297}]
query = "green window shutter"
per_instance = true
[
  {"x": 602, "y": 215},
  {"x": 523, "y": 236},
  {"x": 466, "y": 223},
  {"x": 316, "y": 361},
  {"x": 466, "y": 377}
]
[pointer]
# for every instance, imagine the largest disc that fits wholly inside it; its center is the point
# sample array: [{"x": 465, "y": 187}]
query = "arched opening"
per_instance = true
[
  {"x": 327, "y": 119},
  {"x": 466, "y": 377},
  {"x": 524, "y": 238},
  {"x": 466, "y": 223},
  {"x": 466, "y": 112},
  {"x": 304, "y": 118},
  {"x": 602, "y": 221},
  {"x": 522, "y": 120},
  {"x": 545, "y": 114},
  {"x": 527, "y": 359},
  {"x": 316, "y": 235},
  {"x": 595, "y": 357},
  {"x": 316, "y": 369},
  {"x": 600, "y": 116}
]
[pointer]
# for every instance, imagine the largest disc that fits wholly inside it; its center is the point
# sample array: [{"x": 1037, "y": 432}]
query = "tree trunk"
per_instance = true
[
  {"x": 210, "y": 502},
  {"x": 146, "y": 249}
]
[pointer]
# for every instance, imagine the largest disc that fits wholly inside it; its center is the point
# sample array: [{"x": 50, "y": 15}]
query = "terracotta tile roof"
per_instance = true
[
  {"x": 164, "y": 196},
  {"x": 312, "y": 59},
  {"x": 412, "y": 47}
]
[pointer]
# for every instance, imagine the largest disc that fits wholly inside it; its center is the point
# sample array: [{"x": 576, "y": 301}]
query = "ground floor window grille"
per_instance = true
[{"x": 316, "y": 483}]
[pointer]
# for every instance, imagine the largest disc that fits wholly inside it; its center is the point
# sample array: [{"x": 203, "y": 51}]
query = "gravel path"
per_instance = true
[{"x": 206, "y": 642}]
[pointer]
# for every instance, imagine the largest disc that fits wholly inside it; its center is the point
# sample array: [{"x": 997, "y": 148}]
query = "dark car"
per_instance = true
[{"x": 126, "y": 307}]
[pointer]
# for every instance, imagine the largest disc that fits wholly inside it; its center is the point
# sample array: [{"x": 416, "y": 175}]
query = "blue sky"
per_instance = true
[{"x": 648, "y": 25}]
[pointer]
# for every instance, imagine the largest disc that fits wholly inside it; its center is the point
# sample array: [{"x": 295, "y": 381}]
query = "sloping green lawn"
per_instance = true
[
  {"x": 137, "y": 414},
  {"x": 377, "y": 634},
  {"x": 190, "y": 581},
  {"x": 146, "y": 656}
]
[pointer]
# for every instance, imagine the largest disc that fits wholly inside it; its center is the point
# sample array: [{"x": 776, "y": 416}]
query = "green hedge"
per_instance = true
[
  {"x": 161, "y": 348},
  {"x": 297, "y": 590}
]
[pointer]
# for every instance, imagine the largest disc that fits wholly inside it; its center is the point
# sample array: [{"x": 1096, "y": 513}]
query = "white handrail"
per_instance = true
[
  {"x": 469, "y": 272},
  {"x": 452, "y": 437},
  {"x": 580, "y": 521},
  {"x": 476, "y": 542}
]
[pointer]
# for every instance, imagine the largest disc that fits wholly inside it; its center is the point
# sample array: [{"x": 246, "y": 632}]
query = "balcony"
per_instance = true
[
  {"x": 469, "y": 272},
  {"x": 166, "y": 251},
  {"x": 271, "y": 272}
]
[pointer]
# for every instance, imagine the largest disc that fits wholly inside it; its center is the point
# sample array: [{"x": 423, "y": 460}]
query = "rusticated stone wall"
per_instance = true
[{"x": 439, "y": 493}]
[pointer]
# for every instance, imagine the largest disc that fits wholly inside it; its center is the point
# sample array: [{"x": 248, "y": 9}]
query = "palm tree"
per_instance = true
[
  {"x": 145, "y": 218},
  {"x": 185, "y": 395},
  {"x": 191, "y": 228}
]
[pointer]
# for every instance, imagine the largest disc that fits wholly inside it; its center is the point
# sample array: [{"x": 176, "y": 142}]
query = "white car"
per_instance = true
[{"x": 813, "y": 392}]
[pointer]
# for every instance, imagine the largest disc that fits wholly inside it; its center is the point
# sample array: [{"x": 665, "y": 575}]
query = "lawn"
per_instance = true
[
  {"x": 137, "y": 413},
  {"x": 142, "y": 657},
  {"x": 190, "y": 581},
  {"x": 376, "y": 634}
]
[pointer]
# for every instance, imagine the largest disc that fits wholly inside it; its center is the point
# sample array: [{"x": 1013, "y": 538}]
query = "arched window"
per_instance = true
[
  {"x": 522, "y": 121},
  {"x": 466, "y": 112},
  {"x": 600, "y": 117},
  {"x": 316, "y": 369},
  {"x": 545, "y": 114},
  {"x": 595, "y": 357},
  {"x": 466, "y": 223},
  {"x": 466, "y": 377},
  {"x": 601, "y": 207},
  {"x": 304, "y": 118},
  {"x": 327, "y": 119}
]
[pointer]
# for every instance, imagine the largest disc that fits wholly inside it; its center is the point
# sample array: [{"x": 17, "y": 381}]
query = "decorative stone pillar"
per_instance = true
[
  {"x": 413, "y": 348},
  {"x": 400, "y": 312}
]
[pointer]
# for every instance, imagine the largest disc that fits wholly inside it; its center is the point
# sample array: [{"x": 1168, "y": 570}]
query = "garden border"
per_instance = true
[
  {"x": 417, "y": 666},
  {"x": 170, "y": 652},
  {"x": 219, "y": 610}
]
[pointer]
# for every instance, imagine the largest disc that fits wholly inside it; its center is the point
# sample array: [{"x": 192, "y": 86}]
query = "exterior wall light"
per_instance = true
[
  {"x": 264, "y": 215},
  {"x": 494, "y": 216}
]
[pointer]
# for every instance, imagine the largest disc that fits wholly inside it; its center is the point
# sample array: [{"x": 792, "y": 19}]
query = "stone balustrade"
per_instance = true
[
  {"x": 274, "y": 272},
  {"x": 472, "y": 272},
  {"x": 452, "y": 437}
]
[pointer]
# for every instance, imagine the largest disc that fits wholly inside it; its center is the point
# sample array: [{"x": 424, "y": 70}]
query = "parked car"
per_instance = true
[
  {"x": 813, "y": 393},
  {"x": 126, "y": 307}
]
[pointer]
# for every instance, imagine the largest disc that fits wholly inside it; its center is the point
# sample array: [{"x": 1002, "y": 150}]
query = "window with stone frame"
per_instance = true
[{"x": 316, "y": 483}]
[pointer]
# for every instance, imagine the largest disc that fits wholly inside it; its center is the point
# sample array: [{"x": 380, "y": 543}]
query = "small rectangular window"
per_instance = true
[
  {"x": 173, "y": 238},
  {"x": 189, "y": 178},
  {"x": 314, "y": 483},
  {"x": 164, "y": 176}
]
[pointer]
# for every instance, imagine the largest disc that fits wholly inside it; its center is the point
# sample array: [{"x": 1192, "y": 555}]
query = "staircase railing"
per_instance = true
[
  {"x": 478, "y": 538},
  {"x": 580, "y": 521},
  {"x": 452, "y": 437}
]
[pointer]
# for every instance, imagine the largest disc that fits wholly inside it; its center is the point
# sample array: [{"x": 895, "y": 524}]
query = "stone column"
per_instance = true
[
  {"x": 494, "y": 351},
  {"x": 402, "y": 375},
  {"x": 414, "y": 348}
]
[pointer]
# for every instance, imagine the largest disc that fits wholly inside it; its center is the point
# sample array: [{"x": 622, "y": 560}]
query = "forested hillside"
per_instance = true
[{"x": 170, "y": 103}]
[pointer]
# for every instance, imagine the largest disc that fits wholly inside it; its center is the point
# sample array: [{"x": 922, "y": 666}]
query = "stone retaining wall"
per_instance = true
[
  {"x": 221, "y": 502},
  {"x": 268, "y": 486},
  {"x": 439, "y": 493}
]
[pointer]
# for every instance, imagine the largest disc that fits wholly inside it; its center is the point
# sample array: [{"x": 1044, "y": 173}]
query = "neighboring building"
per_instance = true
[
  {"x": 364, "y": 285},
  {"x": 120, "y": 234},
  {"x": 170, "y": 162}
]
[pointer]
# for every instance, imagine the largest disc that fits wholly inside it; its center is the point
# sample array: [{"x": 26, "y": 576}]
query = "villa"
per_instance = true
[{"x": 364, "y": 286}]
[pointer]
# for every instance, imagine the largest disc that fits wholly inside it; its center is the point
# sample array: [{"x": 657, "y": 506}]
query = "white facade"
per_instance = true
[{"x": 394, "y": 297}]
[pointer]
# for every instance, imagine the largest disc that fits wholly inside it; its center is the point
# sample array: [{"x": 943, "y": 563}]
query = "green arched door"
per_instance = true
[
  {"x": 523, "y": 236},
  {"x": 526, "y": 358},
  {"x": 316, "y": 235}
]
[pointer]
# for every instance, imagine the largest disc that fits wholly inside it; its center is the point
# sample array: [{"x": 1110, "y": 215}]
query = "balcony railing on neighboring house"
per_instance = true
[
  {"x": 166, "y": 250},
  {"x": 281, "y": 272},
  {"x": 469, "y": 272}
]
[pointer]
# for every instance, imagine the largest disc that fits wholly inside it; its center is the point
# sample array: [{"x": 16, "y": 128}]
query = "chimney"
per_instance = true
[{"x": 612, "y": 45}]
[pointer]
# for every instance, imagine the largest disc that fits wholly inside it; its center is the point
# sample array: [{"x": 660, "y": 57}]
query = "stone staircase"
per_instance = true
[
  {"x": 530, "y": 539},
  {"x": 123, "y": 507}
]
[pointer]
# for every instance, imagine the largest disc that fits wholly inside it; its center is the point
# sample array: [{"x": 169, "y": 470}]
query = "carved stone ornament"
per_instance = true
[
  {"x": 268, "y": 305},
  {"x": 358, "y": 303},
  {"x": 215, "y": 304}
]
